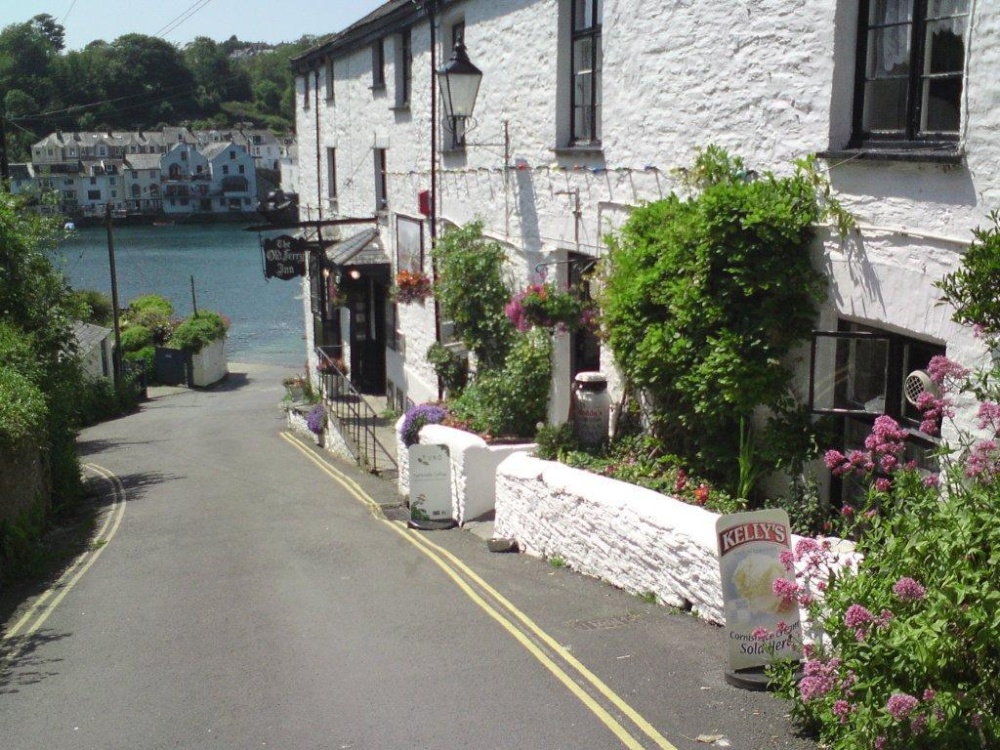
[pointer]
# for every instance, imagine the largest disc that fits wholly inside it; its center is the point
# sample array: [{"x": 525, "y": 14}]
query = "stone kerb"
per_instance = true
[
  {"x": 473, "y": 468},
  {"x": 634, "y": 538}
]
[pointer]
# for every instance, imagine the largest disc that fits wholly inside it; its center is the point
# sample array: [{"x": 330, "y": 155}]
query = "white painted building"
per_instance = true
[{"x": 585, "y": 110}]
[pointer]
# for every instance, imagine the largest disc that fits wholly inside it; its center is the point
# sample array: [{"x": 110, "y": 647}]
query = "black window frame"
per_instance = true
[
  {"x": 404, "y": 58},
  {"x": 381, "y": 180},
  {"x": 911, "y": 134},
  {"x": 331, "y": 173},
  {"x": 592, "y": 31},
  {"x": 378, "y": 63}
]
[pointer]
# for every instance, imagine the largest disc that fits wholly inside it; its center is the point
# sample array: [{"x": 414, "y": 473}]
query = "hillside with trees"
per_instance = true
[{"x": 138, "y": 82}]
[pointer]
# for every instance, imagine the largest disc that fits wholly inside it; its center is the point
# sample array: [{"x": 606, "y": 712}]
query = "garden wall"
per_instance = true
[
  {"x": 209, "y": 365},
  {"x": 23, "y": 478},
  {"x": 473, "y": 468},
  {"x": 634, "y": 538}
]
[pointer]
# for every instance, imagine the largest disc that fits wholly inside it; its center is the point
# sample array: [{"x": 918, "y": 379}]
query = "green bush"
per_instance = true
[
  {"x": 198, "y": 331},
  {"x": 23, "y": 410},
  {"x": 510, "y": 402},
  {"x": 705, "y": 297},
  {"x": 472, "y": 292},
  {"x": 154, "y": 313},
  {"x": 146, "y": 357},
  {"x": 451, "y": 367},
  {"x": 93, "y": 307},
  {"x": 136, "y": 337}
]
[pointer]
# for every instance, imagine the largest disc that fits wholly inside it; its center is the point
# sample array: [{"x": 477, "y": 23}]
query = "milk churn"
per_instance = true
[{"x": 591, "y": 408}]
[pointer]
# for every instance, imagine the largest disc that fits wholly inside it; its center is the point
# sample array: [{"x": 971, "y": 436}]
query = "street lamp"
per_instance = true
[{"x": 460, "y": 81}]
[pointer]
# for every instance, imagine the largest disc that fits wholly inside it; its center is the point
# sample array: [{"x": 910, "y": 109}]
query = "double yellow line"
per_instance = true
[
  {"x": 45, "y": 605},
  {"x": 585, "y": 685}
]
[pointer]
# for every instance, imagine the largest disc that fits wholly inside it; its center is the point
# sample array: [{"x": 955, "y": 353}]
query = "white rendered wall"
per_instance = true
[{"x": 209, "y": 365}]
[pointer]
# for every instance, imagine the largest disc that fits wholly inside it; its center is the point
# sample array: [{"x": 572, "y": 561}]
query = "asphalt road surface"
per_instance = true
[{"x": 245, "y": 591}]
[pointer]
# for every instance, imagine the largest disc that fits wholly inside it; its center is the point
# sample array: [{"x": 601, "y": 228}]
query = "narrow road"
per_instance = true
[{"x": 248, "y": 592}]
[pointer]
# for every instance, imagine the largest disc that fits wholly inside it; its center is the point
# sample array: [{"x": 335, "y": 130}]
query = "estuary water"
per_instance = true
[{"x": 225, "y": 261}]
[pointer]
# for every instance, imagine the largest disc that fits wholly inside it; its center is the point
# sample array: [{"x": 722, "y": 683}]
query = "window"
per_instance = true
[
  {"x": 305, "y": 90},
  {"x": 225, "y": 169},
  {"x": 93, "y": 195},
  {"x": 331, "y": 173},
  {"x": 404, "y": 69},
  {"x": 585, "y": 85},
  {"x": 911, "y": 61},
  {"x": 378, "y": 64},
  {"x": 242, "y": 169},
  {"x": 329, "y": 84},
  {"x": 232, "y": 155},
  {"x": 858, "y": 374},
  {"x": 381, "y": 180}
]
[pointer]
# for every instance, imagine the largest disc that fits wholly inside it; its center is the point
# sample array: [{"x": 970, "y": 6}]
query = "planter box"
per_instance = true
[
  {"x": 209, "y": 365},
  {"x": 473, "y": 468}
]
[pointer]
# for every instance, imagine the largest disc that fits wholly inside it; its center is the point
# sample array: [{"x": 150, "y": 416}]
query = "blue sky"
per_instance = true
[{"x": 251, "y": 20}]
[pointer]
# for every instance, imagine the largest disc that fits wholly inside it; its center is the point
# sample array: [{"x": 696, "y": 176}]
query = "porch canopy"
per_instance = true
[{"x": 361, "y": 249}]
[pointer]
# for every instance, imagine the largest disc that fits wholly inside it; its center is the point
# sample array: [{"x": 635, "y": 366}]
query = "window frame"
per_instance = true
[
  {"x": 593, "y": 32},
  {"x": 910, "y": 135},
  {"x": 331, "y": 173},
  {"x": 330, "y": 91},
  {"x": 381, "y": 180},
  {"x": 378, "y": 64},
  {"x": 404, "y": 68}
]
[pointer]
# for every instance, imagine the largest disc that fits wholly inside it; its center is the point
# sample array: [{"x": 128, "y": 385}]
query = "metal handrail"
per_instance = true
[{"x": 355, "y": 418}]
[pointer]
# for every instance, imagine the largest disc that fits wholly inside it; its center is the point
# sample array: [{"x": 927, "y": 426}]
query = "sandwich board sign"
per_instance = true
[
  {"x": 430, "y": 487},
  {"x": 761, "y": 626}
]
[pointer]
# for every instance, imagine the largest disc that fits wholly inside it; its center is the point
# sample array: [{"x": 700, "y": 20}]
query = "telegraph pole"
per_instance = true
[{"x": 117, "y": 359}]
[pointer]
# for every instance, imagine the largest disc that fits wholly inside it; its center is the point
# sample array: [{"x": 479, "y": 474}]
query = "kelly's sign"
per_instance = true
[
  {"x": 284, "y": 257},
  {"x": 762, "y": 624}
]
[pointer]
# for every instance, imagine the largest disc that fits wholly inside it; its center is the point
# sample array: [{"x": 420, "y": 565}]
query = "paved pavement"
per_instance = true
[{"x": 247, "y": 591}]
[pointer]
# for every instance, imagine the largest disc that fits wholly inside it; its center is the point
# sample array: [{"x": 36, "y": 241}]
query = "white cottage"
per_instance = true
[{"x": 587, "y": 107}]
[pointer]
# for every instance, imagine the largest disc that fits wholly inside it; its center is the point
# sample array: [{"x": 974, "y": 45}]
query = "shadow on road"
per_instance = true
[{"x": 20, "y": 663}]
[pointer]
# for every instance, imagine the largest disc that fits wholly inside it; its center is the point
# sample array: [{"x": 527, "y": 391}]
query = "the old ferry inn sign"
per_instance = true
[{"x": 285, "y": 257}]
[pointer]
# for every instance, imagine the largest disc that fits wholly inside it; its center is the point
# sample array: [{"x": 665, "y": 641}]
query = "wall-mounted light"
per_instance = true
[
  {"x": 460, "y": 81},
  {"x": 354, "y": 273}
]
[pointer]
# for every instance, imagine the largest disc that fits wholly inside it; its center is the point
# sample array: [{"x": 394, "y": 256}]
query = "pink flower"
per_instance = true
[
  {"x": 940, "y": 369},
  {"x": 681, "y": 482},
  {"x": 989, "y": 416},
  {"x": 932, "y": 481},
  {"x": 918, "y": 724},
  {"x": 908, "y": 589},
  {"x": 760, "y": 633},
  {"x": 786, "y": 590},
  {"x": 983, "y": 462},
  {"x": 787, "y": 559},
  {"x": 883, "y": 485},
  {"x": 901, "y": 705},
  {"x": 880, "y": 742},
  {"x": 842, "y": 710},
  {"x": 929, "y": 694},
  {"x": 857, "y": 615}
]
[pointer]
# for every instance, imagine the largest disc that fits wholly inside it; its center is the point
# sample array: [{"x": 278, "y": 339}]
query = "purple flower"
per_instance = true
[
  {"x": 841, "y": 709},
  {"x": 983, "y": 461},
  {"x": 901, "y": 705},
  {"x": 857, "y": 616},
  {"x": 908, "y": 589},
  {"x": 416, "y": 418},
  {"x": 316, "y": 419}
]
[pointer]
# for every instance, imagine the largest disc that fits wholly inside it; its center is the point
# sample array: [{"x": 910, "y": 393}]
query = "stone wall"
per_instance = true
[
  {"x": 23, "y": 479},
  {"x": 634, "y": 538},
  {"x": 473, "y": 468}
]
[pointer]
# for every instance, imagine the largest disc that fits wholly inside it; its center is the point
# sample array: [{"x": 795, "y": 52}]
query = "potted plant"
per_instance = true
[
  {"x": 412, "y": 286},
  {"x": 542, "y": 305},
  {"x": 316, "y": 422},
  {"x": 295, "y": 385}
]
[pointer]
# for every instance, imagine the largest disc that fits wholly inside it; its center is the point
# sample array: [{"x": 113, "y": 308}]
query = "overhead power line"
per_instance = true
[{"x": 187, "y": 14}]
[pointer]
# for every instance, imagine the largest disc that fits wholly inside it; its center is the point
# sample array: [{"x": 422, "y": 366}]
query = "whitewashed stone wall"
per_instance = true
[
  {"x": 634, "y": 538},
  {"x": 209, "y": 365},
  {"x": 473, "y": 468}
]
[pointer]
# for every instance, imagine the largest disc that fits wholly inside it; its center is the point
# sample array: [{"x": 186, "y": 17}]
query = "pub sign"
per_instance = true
[{"x": 284, "y": 257}]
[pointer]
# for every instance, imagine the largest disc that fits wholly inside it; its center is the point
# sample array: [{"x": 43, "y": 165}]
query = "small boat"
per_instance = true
[
  {"x": 69, "y": 226},
  {"x": 163, "y": 223}
]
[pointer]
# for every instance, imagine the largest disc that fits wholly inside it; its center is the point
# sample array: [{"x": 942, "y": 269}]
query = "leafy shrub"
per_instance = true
[
  {"x": 23, "y": 409},
  {"x": 93, "y": 307},
  {"x": 451, "y": 367},
  {"x": 146, "y": 357},
  {"x": 972, "y": 290},
  {"x": 136, "y": 337},
  {"x": 198, "y": 331},
  {"x": 555, "y": 441},
  {"x": 472, "y": 292},
  {"x": 154, "y": 313},
  {"x": 510, "y": 402},
  {"x": 418, "y": 416},
  {"x": 704, "y": 298}
]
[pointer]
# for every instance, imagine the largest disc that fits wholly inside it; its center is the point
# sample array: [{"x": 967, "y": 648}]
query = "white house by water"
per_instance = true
[{"x": 587, "y": 108}]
